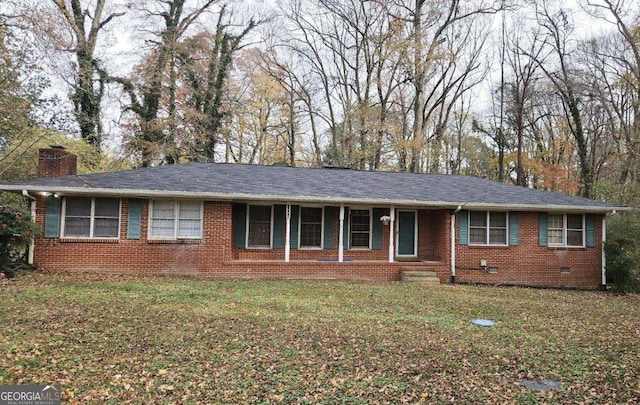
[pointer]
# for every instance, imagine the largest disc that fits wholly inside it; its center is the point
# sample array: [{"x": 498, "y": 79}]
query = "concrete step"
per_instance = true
[{"x": 418, "y": 275}]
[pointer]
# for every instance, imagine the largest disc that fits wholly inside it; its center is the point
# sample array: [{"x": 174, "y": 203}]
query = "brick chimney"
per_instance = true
[{"x": 56, "y": 161}]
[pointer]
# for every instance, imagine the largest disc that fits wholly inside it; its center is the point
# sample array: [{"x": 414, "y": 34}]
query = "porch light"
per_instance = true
[{"x": 385, "y": 219}]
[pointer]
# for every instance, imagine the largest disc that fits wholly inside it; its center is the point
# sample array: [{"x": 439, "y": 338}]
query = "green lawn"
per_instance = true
[{"x": 186, "y": 340}]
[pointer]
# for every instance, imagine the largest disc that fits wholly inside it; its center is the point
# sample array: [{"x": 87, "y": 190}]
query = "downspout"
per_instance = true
[
  {"x": 453, "y": 244},
  {"x": 32, "y": 242},
  {"x": 603, "y": 285},
  {"x": 341, "y": 236}
]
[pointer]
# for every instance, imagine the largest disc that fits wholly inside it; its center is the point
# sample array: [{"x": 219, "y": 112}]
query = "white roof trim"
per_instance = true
[{"x": 82, "y": 191}]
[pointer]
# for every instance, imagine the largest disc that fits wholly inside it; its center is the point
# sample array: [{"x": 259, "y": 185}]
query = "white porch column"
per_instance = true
[
  {"x": 453, "y": 247},
  {"x": 287, "y": 234},
  {"x": 392, "y": 233},
  {"x": 341, "y": 236},
  {"x": 604, "y": 258}
]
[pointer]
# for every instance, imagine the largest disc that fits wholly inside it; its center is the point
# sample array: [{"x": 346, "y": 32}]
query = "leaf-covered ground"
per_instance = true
[{"x": 186, "y": 340}]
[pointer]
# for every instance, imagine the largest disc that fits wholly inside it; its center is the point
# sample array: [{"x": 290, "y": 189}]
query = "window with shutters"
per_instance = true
[
  {"x": 85, "y": 217},
  {"x": 360, "y": 229},
  {"x": 175, "y": 219},
  {"x": 310, "y": 227},
  {"x": 260, "y": 226},
  {"x": 566, "y": 230},
  {"x": 488, "y": 228}
]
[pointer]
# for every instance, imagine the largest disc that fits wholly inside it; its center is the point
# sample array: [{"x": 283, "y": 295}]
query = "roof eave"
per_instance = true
[
  {"x": 140, "y": 193},
  {"x": 549, "y": 208}
]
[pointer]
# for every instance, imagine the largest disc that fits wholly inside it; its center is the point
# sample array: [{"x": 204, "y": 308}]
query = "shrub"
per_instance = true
[
  {"x": 16, "y": 231},
  {"x": 622, "y": 250}
]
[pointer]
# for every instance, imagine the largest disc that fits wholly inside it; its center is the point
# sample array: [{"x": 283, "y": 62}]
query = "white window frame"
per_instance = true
[
  {"x": 92, "y": 219},
  {"x": 176, "y": 220},
  {"x": 321, "y": 228},
  {"x": 488, "y": 230},
  {"x": 565, "y": 229},
  {"x": 351, "y": 209},
  {"x": 246, "y": 240}
]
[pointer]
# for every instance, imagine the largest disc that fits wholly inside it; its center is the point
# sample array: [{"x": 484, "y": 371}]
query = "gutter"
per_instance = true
[
  {"x": 32, "y": 246},
  {"x": 138, "y": 193}
]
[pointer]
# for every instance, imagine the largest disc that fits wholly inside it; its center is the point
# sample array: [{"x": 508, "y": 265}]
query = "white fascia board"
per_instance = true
[
  {"x": 141, "y": 193},
  {"x": 582, "y": 209}
]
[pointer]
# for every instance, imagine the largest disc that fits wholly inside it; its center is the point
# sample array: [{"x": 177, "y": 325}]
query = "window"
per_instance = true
[
  {"x": 566, "y": 230},
  {"x": 556, "y": 229},
  {"x": 176, "y": 220},
  {"x": 259, "y": 229},
  {"x": 189, "y": 220},
  {"x": 575, "y": 233},
  {"x": 360, "y": 227},
  {"x": 310, "y": 227},
  {"x": 487, "y": 228},
  {"x": 91, "y": 217}
]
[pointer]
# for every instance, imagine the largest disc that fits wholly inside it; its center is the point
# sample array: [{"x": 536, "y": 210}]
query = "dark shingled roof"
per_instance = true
[{"x": 274, "y": 183}]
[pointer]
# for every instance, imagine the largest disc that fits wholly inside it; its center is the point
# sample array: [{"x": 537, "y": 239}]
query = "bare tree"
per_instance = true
[
  {"x": 206, "y": 86},
  {"x": 520, "y": 90},
  {"x": 557, "y": 66},
  {"x": 352, "y": 50},
  {"x": 78, "y": 33},
  {"x": 435, "y": 70},
  {"x": 619, "y": 68},
  {"x": 146, "y": 98}
]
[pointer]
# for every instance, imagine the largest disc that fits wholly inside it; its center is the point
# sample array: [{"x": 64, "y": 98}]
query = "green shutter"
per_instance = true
[
  {"x": 135, "y": 218},
  {"x": 239, "y": 219},
  {"x": 279, "y": 225},
  {"x": 543, "y": 229},
  {"x": 376, "y": 238},
  {"x": 591, "y": 230},
  {"x": 295, "y": 219},
  {"x": 463, "y": 227},
  {"x": 345, "y": 229},
  {"x": 514, "y": 228},
  {"x": 329, "y": 220},
  {"x": 53, "y": 210}
]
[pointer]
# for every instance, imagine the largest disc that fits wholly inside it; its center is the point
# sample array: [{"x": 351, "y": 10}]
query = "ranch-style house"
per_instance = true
[{"x": 241, "y": 221}]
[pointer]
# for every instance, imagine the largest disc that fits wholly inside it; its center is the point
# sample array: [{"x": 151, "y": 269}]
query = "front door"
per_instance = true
[{"x": 407, "y": 235}]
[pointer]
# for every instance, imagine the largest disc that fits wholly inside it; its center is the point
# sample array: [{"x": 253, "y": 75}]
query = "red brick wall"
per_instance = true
[
  {"x": 434, "y": 238},
  {"x": 531, "y": 264},
  {"x": 141, "y": 256},
  {"x": 214, "y": 255}
]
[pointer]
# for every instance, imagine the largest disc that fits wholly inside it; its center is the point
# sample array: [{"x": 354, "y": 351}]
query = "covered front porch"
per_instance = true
[{"x": 347, "y": 235}]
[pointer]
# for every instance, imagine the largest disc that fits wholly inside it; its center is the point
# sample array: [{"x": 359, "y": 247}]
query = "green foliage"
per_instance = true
[
  {"x": 16, "y": 231},
  {"x": 281, "y": 163},
  {"x": 623, "y": 251},
  {"x": 333, "y": 156},
  {"x": 16, "y": 97},
  {"x": 19, "y": 160},
  {"x": 623, "y": 236},
  {"x": 625, "y": 194}
]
